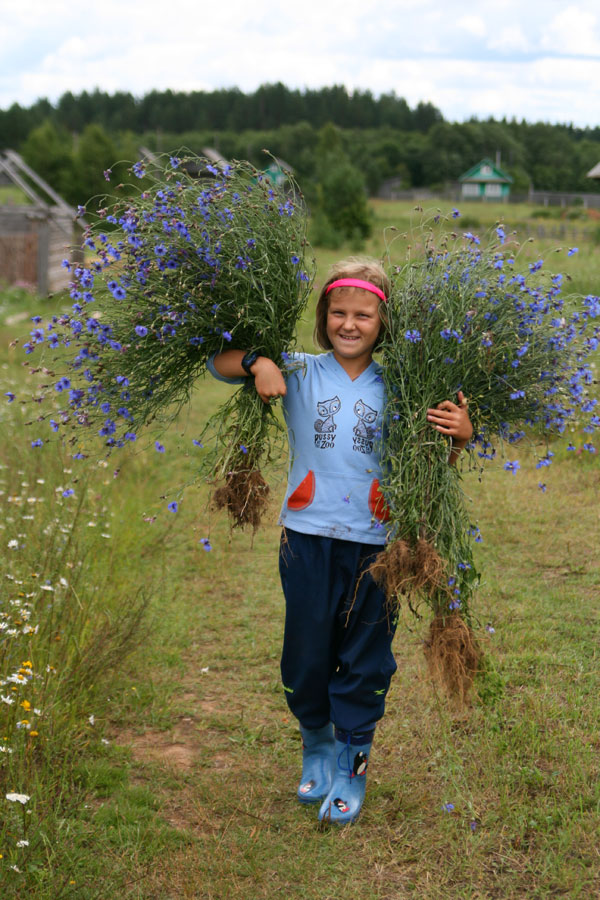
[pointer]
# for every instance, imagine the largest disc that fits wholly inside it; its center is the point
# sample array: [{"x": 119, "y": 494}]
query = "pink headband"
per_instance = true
[{"x": 356, "y": 282}]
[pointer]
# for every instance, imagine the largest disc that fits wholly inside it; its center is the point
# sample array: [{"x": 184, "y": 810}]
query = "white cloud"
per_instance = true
[
  {"x": 473, "y": 25},
  {"x": 467, "y": 63},
  {"x": 573, "y": 30},
  {"x": 509, "y": 39}
]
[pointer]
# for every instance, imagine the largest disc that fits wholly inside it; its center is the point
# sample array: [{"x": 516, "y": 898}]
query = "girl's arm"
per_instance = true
[
  {"x": 453, "y": 419},
  {"x": 268, "y": 378}
]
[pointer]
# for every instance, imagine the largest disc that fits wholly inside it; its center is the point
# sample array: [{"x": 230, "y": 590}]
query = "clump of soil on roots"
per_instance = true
[
  {"x": 452, "y": 655},
  {"x": 403, "y": 568},
  {"x": 417, "y": 570},
  {"x": 245, "y": 497}
]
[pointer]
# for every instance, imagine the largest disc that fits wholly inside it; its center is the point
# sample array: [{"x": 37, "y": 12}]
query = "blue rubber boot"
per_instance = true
[
  {"x": 342, "y": 804},
  {"x": 317, "y": 763}
]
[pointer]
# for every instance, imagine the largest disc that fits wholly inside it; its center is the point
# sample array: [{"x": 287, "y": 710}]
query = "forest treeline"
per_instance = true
[{"x": 71, "y": 142}]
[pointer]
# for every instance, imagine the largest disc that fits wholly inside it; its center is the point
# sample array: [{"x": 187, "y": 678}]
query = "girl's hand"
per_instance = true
[
  {"x": 268, "y": 379},
  {"x": 452, "y": 419}
]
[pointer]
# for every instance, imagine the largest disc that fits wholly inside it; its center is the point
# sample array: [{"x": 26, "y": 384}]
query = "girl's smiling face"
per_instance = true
[{"x": 353, "y": 325}]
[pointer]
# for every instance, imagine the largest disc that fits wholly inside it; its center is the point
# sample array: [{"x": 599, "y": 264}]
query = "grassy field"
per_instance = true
[{"x": 163, "y": 762}]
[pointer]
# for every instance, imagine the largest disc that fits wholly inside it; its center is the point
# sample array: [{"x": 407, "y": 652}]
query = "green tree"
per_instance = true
[
  {"x": 95, "y": 152},
  {"x": 341, "y": 209},
  {"x": 48, "y": 150}
]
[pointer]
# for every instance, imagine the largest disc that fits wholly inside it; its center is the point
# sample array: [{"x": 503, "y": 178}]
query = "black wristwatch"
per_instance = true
[{"x": 249, "y": 359}]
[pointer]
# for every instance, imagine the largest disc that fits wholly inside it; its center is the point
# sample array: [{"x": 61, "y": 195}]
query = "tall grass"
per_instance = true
[{"x": 173, "y": 651}]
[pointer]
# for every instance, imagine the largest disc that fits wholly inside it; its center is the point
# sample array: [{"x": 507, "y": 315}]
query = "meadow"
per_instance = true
[{"x": 145, "y": 743}]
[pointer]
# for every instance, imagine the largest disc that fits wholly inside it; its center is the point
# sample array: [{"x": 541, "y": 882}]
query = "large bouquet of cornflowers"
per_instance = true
[
  {"x": 467, "y": 317},
  {"x": 196, "y": 260}
]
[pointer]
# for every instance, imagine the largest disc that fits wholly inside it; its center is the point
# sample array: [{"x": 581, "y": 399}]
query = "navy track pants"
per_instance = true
[{"x": 337, "y": 660}]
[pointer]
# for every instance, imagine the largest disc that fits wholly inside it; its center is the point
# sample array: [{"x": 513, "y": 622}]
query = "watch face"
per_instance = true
[{"x": 248, "y": 361}]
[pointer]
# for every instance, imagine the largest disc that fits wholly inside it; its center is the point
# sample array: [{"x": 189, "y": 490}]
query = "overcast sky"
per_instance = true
[{"x": 515, "y": 58}]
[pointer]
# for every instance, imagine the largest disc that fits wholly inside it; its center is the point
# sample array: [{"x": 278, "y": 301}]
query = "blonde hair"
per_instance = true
[{"x": 363, "y": 267}]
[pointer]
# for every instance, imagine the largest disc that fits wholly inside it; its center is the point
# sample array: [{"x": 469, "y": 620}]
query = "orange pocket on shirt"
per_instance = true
[
  {"x": 377, "y": 505},
  {"x": 304, "y": 494}
]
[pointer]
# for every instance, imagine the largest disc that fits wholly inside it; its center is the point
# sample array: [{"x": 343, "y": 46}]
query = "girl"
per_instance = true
[{"x": 337, "y": 661}]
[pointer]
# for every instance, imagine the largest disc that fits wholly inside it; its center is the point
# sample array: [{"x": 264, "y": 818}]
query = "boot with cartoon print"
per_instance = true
[
  {"x": 342, "y": 804},
  {"x": 317, "y": 763}
]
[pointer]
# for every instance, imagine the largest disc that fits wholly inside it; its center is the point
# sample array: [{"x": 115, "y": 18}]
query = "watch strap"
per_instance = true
[{"x": 248, "y": 360}]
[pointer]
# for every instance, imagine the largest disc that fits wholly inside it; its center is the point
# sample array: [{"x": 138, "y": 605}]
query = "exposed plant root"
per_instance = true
[
  {"x": 245, "y": 496},
  {"x": 405, "y": 569},
  {"x": 429, "y": 567},
  {"x": 453, "y": 655}
]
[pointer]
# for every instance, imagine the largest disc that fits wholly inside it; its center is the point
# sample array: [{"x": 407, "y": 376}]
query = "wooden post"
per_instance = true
[{"x": 43, "y": 231}]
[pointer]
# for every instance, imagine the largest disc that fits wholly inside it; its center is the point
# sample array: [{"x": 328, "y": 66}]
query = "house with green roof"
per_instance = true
[{"x": 485, "y": 181}]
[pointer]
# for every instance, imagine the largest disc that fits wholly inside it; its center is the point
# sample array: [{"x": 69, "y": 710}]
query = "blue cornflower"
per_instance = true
[
  {"x": 38, "y": 443},
  {"x": 160, "y": 249},
  {"x": 542, "y": 487},
  {"x": 512, "y": 466},
  {"x": 141, "y": 330},
  {"x": 448, "y": 807},
  {"x": 295, "y": 259},
  {"x": 572, "y": 251},
  {"x": 173, "y": 506},
  {"x": 139, "y": 170},
  {"x": 121, "y": 379},
  {"x": 516, "y": 395},
  {"x": 536, "y": 266},
  {"x": 66, "y": 264},
  {"x": 159, "y": 447},
  {"x": 68, "y": 492},
  {"x": 107, "y": 173},
  {"x": 197, "y": 443},
  {"x": 243, "y": 449},
  {"x": 130, "y": 436},
  {"x": 413, "y": 335},
  {"x": 455, "y": 213},
  {"x": 10, "y": 396},
  {"x": 227, "y": 335},
  {"x": 501, "y": 233},
  {"x": 346, "y": 499},
  {"x": 54, "y": 425},
  {"x": 108, "y": 428},
  {"x": 589, "y": 447},
  {"x": 205, "y": 544},
  {"x": 174, "y": 162}
]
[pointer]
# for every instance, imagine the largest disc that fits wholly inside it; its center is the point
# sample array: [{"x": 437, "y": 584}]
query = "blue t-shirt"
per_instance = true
[{"x": 334, "y": 429}]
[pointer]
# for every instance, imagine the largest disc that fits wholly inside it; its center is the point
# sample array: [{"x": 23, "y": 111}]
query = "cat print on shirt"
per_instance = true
[
  {"x": 325, "y": 426},
  {"x": 364, "y": 430}
]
